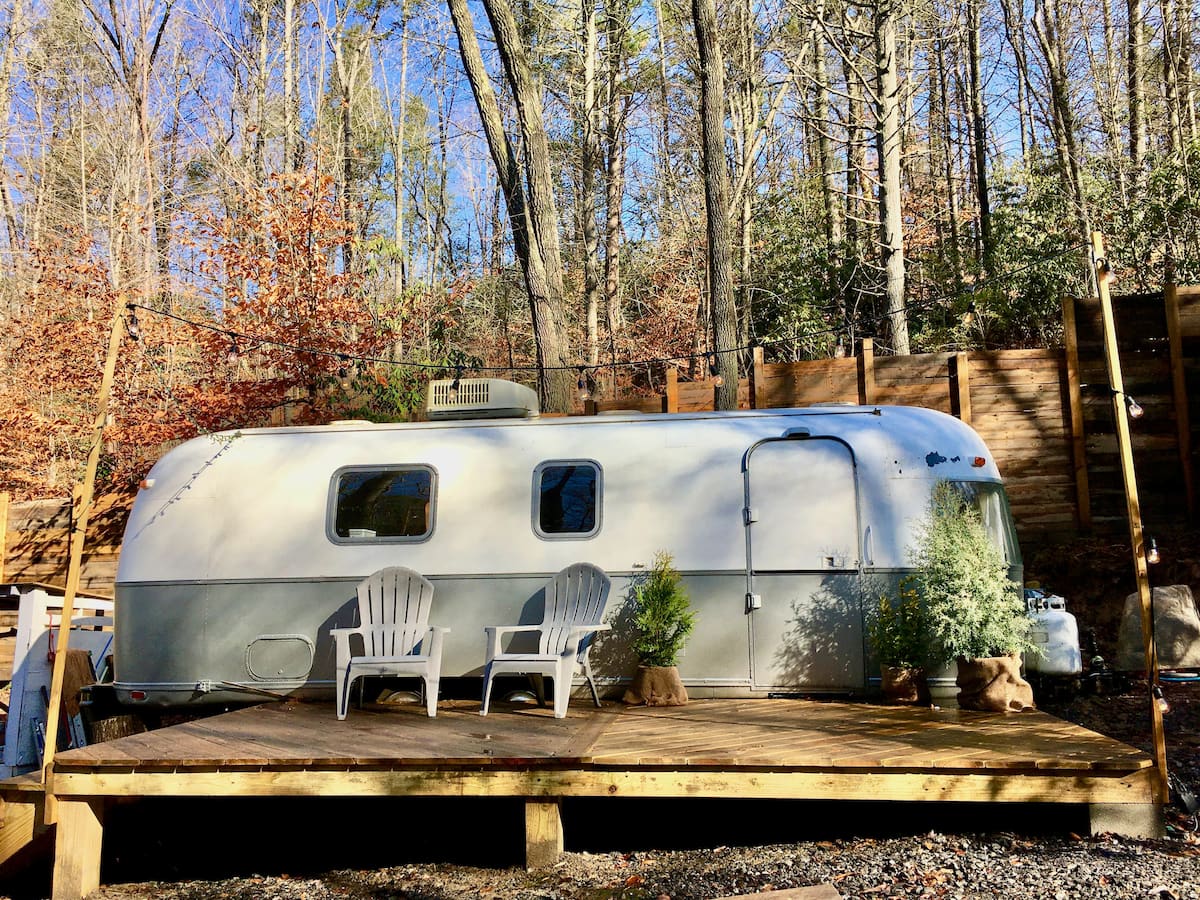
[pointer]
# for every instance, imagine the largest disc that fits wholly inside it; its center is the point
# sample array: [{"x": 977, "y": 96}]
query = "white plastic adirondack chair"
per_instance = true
[
  {"x": 575, "y": 600},
  {"x": 393, "y": 615}
]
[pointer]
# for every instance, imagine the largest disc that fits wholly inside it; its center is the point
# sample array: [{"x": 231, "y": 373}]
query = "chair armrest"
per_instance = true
[
  {"x": 434, "y": 648},
  {"x": 341, "y": 643},
  {"x": 493, "y": 633}
]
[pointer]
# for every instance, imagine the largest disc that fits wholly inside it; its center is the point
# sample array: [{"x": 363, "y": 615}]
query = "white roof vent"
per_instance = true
[{"x": 480, "y": 398}]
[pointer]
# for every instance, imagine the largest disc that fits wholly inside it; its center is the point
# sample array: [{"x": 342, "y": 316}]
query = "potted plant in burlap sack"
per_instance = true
[
  {"x": 663, "y": 619},
  {"x": 899, "y": 636},
  {"x": 975, "y": 611}
]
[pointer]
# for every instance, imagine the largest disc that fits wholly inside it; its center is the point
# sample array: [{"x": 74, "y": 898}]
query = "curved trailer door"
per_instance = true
[{"x": 802, "y": 565}]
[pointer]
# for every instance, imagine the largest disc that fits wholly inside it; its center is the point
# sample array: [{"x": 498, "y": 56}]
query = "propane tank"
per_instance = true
[{"x": 1055, "y": 633}]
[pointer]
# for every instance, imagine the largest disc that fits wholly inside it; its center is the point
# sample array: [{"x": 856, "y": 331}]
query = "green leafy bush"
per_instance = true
[
  {"x": 899, "y": 630},
  {"x": 974, "y": 609},
  {"x": 664, "y": 617}
]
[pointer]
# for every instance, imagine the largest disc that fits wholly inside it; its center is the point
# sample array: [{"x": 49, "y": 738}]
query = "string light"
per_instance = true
[
  {"x": 711, "y": 355},
  {"x": 1163, "y": 706},
  {"x": 839, "y": 352},
  {"x": 453, "y": 392},
  {"x": 132, "y": 327},
  {"x": 1152, "y": 554},
  {"x": 233, "y": 354},
  {"x": 715, "y": 370},
  {"x": 585, "y": 393},
  {"x": 1104, "y": 268},
  {"x": 1135, "y": 408},
  {"x": 968, "y": 317}
]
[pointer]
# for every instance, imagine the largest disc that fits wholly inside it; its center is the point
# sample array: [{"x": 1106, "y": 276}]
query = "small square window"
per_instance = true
[
  {"x": 566, "y": 499},
  {"x": 382, "y": 503}
]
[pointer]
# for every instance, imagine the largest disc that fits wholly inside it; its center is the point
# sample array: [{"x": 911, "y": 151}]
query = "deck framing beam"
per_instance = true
[{"x": 1099, "y": 786}]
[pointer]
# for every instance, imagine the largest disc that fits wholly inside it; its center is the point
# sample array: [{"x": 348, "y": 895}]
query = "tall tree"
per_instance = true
[
  {"x": 888, "y": 148},
  {"x": 534, "y": 224},
  {"x": 716, "y": 199}
]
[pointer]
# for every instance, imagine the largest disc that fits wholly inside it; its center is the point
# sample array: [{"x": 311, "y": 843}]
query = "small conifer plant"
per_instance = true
[
  {"x": 663, "y": 617},
  {"x": 974, "y": 609}
]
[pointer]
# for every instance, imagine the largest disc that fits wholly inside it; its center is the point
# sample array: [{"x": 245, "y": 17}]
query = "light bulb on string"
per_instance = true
[
  {"x": 968, "y": 317},
  {"x": 839, "y": 352},
  {"x": 715, "y": 370},
  {"x": 1163, "y": 706},
  {"x": 233, "y": 353},
  {"x": 132, "y": 327},
  {"x": 1105, "y": 271},
  {"x": 1135, "y": 409},
  {"x": 1153, "y": 557},
  {"x": 454, "y": 385},
  {"x": 585, "y": 393}
]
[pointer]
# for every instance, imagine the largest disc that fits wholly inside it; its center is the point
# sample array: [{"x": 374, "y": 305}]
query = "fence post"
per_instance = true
[
  {"x": 960, "y": 381},
  {"x": 866, "y": 372},
  {"x": 3, "y": 531},
  {"x": 1183, "y": 426},
  {"x": 671, "y": 396},
  {"x": 758, "y": 385},
  {"x": 1083, "y": 502}
]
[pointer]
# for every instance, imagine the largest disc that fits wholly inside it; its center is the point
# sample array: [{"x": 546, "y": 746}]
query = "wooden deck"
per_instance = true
[{"x": 766, "y": 749}]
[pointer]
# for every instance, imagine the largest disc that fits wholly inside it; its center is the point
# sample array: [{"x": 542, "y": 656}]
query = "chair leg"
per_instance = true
[
  {"x": 431, "y": 696},
  {"x": 343, "y": 692},
  {"x": 487, "y": 689},
  {"x": 562, "y": 689},
  {"x": 539, "y": 687},
  {"x": 587, "y": 672}
]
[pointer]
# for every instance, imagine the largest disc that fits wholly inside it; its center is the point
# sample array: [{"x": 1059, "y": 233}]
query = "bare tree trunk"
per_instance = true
[
  {"x": 588, "y": 163},
  {"x": 1171, "y": 53},
  {"x": 545, "y": 291},
  {"x": 291, "y": 115},
  {"x": 1014, "y": 28},
  {"x": 616, "y": 113},
  {"x": 665, "y": 175},
  {"x": 830, "y": 195},
  {"x": 16, "y": 20},
  {"x": 263, "y": 9},
  {"x": 887, "y": 139},
  {"x": 979, "y": 131},
  {"x": 716, "y": 198},
  {"x": 856, "y": 154},
  {"x": 942, "y": 134},
  {"x": 1136, "y": 80}
]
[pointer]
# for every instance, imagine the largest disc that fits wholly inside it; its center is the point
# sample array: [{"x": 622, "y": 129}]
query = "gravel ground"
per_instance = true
[{"x": 645, "y": 850}]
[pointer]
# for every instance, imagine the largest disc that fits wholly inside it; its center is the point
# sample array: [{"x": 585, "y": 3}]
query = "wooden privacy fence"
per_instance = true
[{"x": 1046, "y": 414}]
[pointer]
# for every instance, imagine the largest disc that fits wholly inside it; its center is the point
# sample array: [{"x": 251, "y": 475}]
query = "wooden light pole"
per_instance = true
[
  {"x": 78, "y": 535},
  {"x": 1132, "y": 506}
]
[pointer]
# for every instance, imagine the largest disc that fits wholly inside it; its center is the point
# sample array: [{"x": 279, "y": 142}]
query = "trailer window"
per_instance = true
[
  {"x": 566, "y": 499},
  {"x": 393, "y": 503},
  {"x": 992, "y": 503}
]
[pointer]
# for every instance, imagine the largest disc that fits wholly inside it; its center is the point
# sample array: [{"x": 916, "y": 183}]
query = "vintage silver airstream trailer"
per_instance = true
[{"x": 243, "y": 548}]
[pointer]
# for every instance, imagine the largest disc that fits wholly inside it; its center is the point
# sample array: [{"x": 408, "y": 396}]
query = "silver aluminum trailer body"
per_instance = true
[{"x": 786, "y": 524}]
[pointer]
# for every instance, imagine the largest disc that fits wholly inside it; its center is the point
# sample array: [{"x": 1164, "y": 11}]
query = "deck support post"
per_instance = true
[
  {"x": 77, "y": 847},
  {"x": 1134, "y": 820},
  {"x": 543, "y": 833}
]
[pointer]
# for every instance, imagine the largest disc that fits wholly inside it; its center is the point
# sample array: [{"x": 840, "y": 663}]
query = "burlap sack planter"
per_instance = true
[
  {"x": 901, "y": 684},
  {"x": 993, "y": 684},
  {"x": 656, "y": 686}
]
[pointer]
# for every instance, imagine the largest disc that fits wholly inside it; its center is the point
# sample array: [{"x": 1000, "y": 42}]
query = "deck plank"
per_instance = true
[{"x": 779, "y": 734}]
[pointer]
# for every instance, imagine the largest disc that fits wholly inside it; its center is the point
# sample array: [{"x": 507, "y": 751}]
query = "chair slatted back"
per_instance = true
[
  {"x": 576, "y": 596},
  {"x": 393, "y": 610}
]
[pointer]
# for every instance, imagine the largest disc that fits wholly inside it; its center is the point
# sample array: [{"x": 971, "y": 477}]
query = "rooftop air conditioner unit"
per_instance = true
[{"x": 480, "y": 398}]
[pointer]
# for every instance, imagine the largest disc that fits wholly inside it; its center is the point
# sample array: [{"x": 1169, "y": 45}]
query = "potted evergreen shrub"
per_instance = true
[
  {"x": 663, "y": 619},
  {"x": 975, "y": 611},
  {"x": 899, "y": 635}
]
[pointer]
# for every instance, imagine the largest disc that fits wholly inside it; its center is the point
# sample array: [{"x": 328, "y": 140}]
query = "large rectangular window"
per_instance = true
[
  {"x": 566, "y": 499},
  {"x": 383, "y": 503}
]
